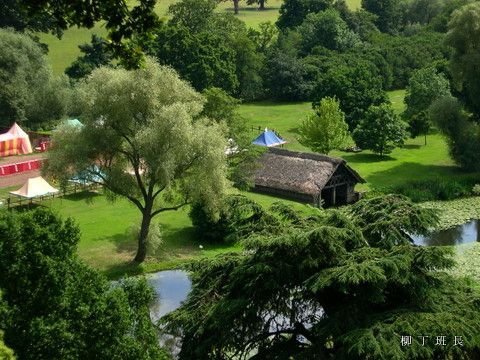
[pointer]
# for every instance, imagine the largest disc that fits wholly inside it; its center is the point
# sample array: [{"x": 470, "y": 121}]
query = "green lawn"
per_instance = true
[
  {"x": 107, "y": 244},
  {"x": 411, "y": 162},
  {"x": 62, "y": 52}
]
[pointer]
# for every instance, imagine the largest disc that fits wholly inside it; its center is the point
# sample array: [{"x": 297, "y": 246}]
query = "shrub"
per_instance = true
[
  {"x": 238, "y": 218},
  {"x": 435, "y": 189},
  {"x": 476, "y": 189}
]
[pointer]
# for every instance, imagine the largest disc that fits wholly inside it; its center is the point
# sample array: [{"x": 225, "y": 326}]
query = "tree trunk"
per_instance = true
[
  {"x": 262, "y": 4},
  {"x": 235, "y": 6},
  {"x": 143, "y": 235},
  {"x": 425, "y": 139}
]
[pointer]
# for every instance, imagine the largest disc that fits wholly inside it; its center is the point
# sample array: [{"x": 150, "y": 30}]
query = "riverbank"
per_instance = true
[{"x": 457, "y": 212}]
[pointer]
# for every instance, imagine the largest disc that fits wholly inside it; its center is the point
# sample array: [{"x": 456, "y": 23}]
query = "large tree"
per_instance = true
[
  {"x": 355, "y": 82},
  {"x": 462, "y": 132},
  {"x": 58, "y": 307},
  {"x": 389, "y": 13},
  {"x": 293, "y": 12},
  {"x": 143, "y": 138},
  {"x": 95, "y": 54},
  {"x": 325, "y": 129},
  {"x": 29, "y": 93},
  {"x": 381, "y": 130},
  {"x": 327, "y": 29},
  {"x": 464, "y": 37},
  {"x": 331, "y": 287},
  {"x": 424, "y": 87}
]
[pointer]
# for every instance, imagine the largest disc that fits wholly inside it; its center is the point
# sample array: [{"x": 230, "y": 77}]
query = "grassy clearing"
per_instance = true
[
  {"x": 62, "y": 52},
  {"x": 414, "y": 161},
  {"x": 108, "y": 244}
]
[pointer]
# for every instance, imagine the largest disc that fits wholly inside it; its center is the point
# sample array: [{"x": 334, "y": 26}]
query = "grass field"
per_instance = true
[
  {"x": 108, "y": 245},
  {"x": 411, "y": 162},
  {"x": 62, "y": 52}
]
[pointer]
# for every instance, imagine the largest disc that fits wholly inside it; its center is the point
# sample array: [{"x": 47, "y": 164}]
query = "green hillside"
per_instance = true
[{"x": 62, "y": 52}]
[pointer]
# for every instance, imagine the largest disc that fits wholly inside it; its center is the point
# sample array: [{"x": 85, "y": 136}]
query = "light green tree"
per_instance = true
[
  {"x": 29, "y": 93},
  {"x": 148, "y": 145},
  {"x": 325, "y": 129},
  {"x": 424, "y": 87},
  {"x": 5, "y": 352}
]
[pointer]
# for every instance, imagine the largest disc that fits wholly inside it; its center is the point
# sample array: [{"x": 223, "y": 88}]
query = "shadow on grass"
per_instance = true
[
  {"x": 129, "y": 268},
  {"x": 294, "y": 130},
  {"x": 173, "y": 238},
  {"x": 365, "y": 158},
  {"x": 254, "y": 9},
  {"x": 412, "y": 146},
  {"x": 409, "y": 171},
  {"x": 83, "y": 195}
]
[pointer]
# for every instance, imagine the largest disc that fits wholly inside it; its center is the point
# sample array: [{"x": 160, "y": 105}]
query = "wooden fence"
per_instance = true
[{"x": 73, "y": 188}]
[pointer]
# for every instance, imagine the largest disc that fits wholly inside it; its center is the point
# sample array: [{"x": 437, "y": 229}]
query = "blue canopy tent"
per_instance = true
[
  {"x": 73, "y": 123},
  {"x": 268, "y": 138},
  {"x": 88, "y": 176}
]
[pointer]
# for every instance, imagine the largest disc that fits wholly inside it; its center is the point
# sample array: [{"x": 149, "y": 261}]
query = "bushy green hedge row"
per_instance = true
[{"x": 436, "y": 189}]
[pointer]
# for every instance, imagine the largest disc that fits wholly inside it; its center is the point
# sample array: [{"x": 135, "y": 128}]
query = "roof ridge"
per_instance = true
[{"x": 307, "y": 155}]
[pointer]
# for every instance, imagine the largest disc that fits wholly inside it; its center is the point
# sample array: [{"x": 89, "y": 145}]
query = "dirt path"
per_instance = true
[
  {"x": 17, "y": 179},
  {"x": 20, "y": 158},
  {"x": 20, "y": 178}
]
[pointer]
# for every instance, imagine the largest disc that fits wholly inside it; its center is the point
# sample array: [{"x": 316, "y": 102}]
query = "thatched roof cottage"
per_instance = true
[{"x": 306, "y": 177}]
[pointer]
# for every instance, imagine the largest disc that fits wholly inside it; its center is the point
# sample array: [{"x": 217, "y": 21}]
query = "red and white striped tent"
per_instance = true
[{"x": 14, "y": 142}]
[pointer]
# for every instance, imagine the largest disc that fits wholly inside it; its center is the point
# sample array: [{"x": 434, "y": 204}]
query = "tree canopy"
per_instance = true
[
  {"x": 464, "y": 37},
  {"x": 381, "y": 130},
  {"x": 345, "y": 291},
  {"x": 356, "y": 84},
  {"x": 29, "y": 93},
  {"x": 143, "y": 139},
  {"x": 95, "y": 54},
  {"x": 59, "y": 308},
  {"x": 325, "y": 129},
  {"x": 125, "y": 22}
]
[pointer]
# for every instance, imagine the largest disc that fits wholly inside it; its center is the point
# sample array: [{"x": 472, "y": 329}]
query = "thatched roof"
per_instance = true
[{"x": 299, "y": 172}]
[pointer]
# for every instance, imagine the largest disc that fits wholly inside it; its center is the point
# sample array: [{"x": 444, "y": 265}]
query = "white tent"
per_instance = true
[{"x": 34, "y": 187}]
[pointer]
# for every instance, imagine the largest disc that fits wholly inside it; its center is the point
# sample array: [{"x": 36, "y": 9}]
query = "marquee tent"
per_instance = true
[
  {"x": 35, "y": 187},
  {"x": 268, "y": 138},
  {"x": 14, "y": 142}
]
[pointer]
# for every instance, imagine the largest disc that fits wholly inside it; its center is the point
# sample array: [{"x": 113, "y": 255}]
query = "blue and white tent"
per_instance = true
[
  {"x": 88, "y": 176},
  {"x": 269, "y": 139}
]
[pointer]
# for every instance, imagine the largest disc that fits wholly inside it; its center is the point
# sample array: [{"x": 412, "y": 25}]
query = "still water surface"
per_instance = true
[
  {"x": 458, "y": 235},
  {"x": 171, "y": 288}
]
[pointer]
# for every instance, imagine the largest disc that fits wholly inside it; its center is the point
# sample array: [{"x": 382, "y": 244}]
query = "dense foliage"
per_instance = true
[
  {"x": 59, "y": 308},
  {"x": 325, "y": 129},
  {"x": 95, "y": 54},
  {"x": 125, "y": 23},
  {"x": 436, "y": 189},
  {"x": 463, "y": 36},
  {"x": 29, "y": 93},
  {"x": 330, "y": 286},
  {"x": 142, "y": 132},
  {"x": 463, "y": 134},
  {"x": 381, "y": 130},
  {"x": 424, "y": 87}
]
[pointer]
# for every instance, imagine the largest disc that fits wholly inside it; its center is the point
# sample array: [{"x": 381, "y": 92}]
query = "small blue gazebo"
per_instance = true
[{"x": 269, "y": 139}]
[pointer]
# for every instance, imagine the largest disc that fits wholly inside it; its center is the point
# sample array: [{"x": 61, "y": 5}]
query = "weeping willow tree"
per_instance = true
[
  {"x": 332, "y": 289},
  {"x": 143, "y": 140}
]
